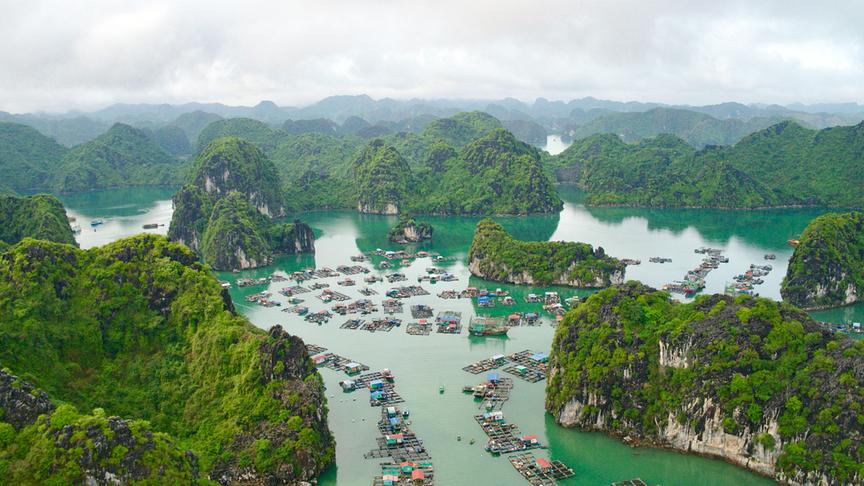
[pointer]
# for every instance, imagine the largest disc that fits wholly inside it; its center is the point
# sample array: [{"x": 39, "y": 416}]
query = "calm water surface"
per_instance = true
[{"x": 422, "y": 364}]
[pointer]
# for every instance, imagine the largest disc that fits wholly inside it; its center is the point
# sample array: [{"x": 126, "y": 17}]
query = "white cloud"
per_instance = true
[{"x": 59, "y": 54}]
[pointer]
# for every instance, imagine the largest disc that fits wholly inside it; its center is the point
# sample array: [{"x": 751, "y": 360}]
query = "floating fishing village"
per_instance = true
[{"x": 378, "y": 298}]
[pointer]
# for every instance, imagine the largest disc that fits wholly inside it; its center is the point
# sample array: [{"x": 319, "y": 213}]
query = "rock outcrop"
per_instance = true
[
  {"x": 20, "y": 403},
  {"x": 827, "y": 267},
  {"x": 752, "y": 381},
  {"x": 227, "y": 213},
  {"x": 408, "y": 230},
  {"x": 497, "y": 256}
]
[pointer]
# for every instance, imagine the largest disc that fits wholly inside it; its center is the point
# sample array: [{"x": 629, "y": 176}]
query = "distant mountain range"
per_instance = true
[{"x": 575, "y": 117}]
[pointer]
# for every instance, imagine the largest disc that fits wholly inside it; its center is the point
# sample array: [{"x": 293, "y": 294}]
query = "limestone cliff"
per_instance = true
[
  {"x": 497, "y": 256},
  {"x": 409, "y": 230},
  {"x": 827, "y": 268},
  {"x": 751, "y": 381},
  {"x": 227, "y": 213},
  {"x": 41, "y": 216}
]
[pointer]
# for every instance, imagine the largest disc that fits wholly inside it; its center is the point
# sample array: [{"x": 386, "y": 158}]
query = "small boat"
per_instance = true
[
  {"x": 441, "y": 389},
  {"x": 76, "y": 228},
  {"x": 405, "y": 413},
  {"x": 471, "y": 441},
  {"x": 150, "y": 226},
  {"x": 97, "y": 222}
]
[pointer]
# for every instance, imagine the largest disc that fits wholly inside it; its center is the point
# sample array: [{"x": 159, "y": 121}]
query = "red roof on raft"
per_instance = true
[
  {"x": 543, "y": 463},
  {"x": 417, "y": 474}
]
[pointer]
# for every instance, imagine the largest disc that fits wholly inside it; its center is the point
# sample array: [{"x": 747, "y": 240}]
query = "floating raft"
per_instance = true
[
  {"x": 486, "y": 364},
  {"x": 630, "y": 482},
  {"x": 504, "y": 437},
  {"x": 333, "y": 296},
  {"x": 367, "y": 291},
  {"x": 528, "y": 365},
  {"x": 408, "y": 448},
  {"x": 385, "y": 325},
  {"x": 421, "y": 311},
  {"x": 419, "y": 328},
  {"x": 352, "y": 270},
  {"x": 494, "y": 392},
  {"x": 293, "y": 290},
  {"x": 313, "y": 349},
  {"x": 352, "y": 324},
  {"x": 539, "y": 471},
  {"x": 396, "y": 277},
  {"x": 405, "y": 475},
  {"x": 340, "y": 363}
]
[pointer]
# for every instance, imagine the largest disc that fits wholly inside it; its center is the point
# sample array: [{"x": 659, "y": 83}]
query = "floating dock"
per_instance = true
[
  {"x": 313, "y": 349},
  {"x": 422, "y": 328}
]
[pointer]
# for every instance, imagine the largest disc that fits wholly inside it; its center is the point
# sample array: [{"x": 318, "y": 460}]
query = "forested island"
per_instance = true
[
  {"x": 128, "y": 361},
  {"x": 827, "y": 267},
  {"x": 227, "y": 212},
  {"x": 750, "y": 380},
  {"x": 497, "y": 256},
  {"x": 409, "y": 230}
]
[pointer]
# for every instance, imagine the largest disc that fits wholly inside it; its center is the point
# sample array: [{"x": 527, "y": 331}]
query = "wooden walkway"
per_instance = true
[
  {"x": 313, "y": 349},
  {"x": 630, "y": 482}
]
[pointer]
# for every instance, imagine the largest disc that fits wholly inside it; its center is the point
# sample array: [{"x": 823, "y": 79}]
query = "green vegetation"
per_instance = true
[
  {"x": 461, "y": 128},
  {"x": 27, "y": 158},
  {"x": 382, "y": 179},
  {"x": 232, "y": 238},
  {"x": 225, "y": 212},
  {"x": 697, "y": 129},
  {"x": 465, "y": 164},
  {"x": 142, "y": 330},
  {"x": 122, "y": 156},
  {"x": 41, "y": 216},
  {"x": 785, "y": 164},
  {"x": 246, "y": 128},
  {"x": 653, "y": 366},
  {"x": 495, "y": 255},
  {"x": 827, "y": 268}
]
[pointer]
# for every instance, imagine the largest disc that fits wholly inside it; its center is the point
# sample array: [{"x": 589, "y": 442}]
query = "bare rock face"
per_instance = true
[{"x": 20, "y": 403}]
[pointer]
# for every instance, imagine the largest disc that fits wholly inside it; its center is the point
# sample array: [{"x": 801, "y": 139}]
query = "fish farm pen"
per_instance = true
[{"x": 540, "y": 471}]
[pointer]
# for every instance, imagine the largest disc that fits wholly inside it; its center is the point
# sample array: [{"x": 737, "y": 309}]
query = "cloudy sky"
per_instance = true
[{"x": 57, "y": 55}]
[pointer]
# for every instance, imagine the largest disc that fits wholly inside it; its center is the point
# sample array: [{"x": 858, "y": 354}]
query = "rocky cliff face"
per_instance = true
[
  {"x": 408, "y": 230},
  {"x": 283, "y": 360},
  {"x": 382, "y": 178},
  {"x": 827, "y": 268},
  {"x": 296, "y": 237},
  {"x": 495, "y": 255},
  {"x": 750, "y": 381},
  {"x": 231, "y": 164}
]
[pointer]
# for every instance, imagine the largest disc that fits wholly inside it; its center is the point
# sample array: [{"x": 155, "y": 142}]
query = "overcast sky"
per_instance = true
[{"x": 57, "y": 55}]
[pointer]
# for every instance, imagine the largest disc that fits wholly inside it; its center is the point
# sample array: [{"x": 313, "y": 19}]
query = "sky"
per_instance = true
[{"x": 75, "y": 54}]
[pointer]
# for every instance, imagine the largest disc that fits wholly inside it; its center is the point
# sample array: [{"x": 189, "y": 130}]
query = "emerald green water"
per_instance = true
[{"x": 422, "y": 364}]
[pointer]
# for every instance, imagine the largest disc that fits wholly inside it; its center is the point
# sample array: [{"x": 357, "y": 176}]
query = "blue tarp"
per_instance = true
[
  {"x": 492, "y": 377},
  {"x": 539, "y": 357},
  {"x": 376, "y": 395}
]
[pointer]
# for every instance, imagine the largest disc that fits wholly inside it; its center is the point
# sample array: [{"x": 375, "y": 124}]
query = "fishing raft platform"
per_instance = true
[
  {"x": 540, "y": 471},
  {"x": 313, "y": 349},
  {"x": 504, "y": 437}
]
